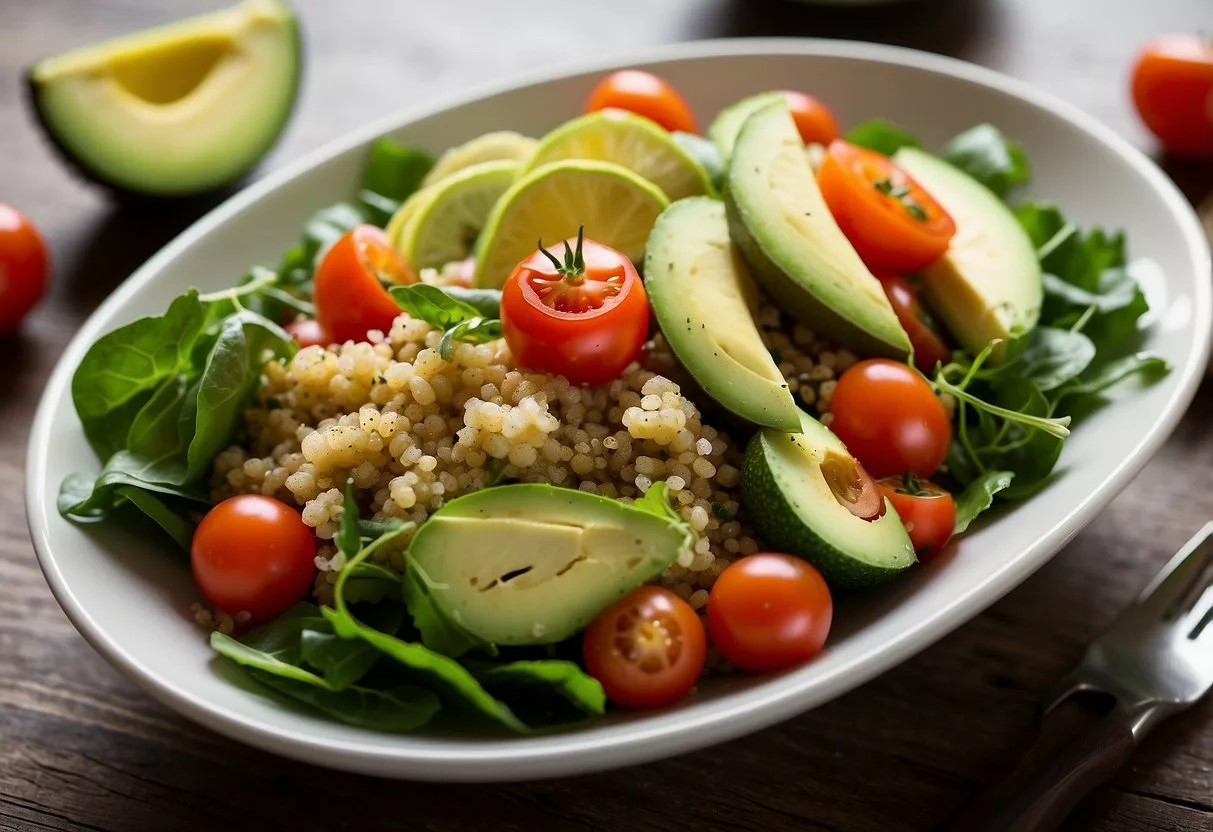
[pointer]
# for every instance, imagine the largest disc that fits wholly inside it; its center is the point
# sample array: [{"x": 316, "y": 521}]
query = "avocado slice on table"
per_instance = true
[
  {"x": 705, "y": 299},
  {"x": 175, "y": 110},
  {"x": 808, "y": 496},
  {"x": 779, "y": 220},
  {"x": 989, "y": 283},
  {"x": 534, "y": 564}
]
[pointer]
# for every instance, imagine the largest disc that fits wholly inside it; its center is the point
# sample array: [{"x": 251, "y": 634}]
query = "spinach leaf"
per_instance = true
[
  {"x": 281, "y": 639},
  {"x": 544, "y": 691},
  {"x": 435, "y": 306},
  {"x": 438, "y": 633},
  {"x": 402, "y": 708},
  {"x": 1085, "y": 391},
  {"x": 1052, "y": 357},
  {"x": 370, "y": 583},
  {"x": 341, "y": 661},
  {"x": 979, "y": 496},
  {"x": 1027, "y": 453},
  {"x": 988, "y": 156},
  {"x": 85, "y": 500},
  {"x": 882, "y": 136},
  {"x": 178, "y": 525},
  {"x": 486, "y": 302},
  {"x": 392, "y": 173}
]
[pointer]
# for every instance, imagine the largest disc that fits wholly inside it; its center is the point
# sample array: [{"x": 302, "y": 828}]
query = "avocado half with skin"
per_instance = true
[
  {"x": 808, "y": 496},
  {"x": 176, "y": 110},
  {"x": 780, "y": 221}
]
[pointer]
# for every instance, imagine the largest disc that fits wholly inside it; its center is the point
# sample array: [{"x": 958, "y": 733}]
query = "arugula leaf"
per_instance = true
[
  {"x": 882, "y": 136},
  {"x": 281, "y": 639},
  {"x": 371, "y": 583},
  {"x": 437, "y": 632},
  {"x": 433, "y": 305},
  {"x": 979, "y": 496},
  {"x": 342, "y": 662},
  {"x": 349, "y": 535},
  {"x": 1085, "y": 392},
  {"x": 475, "y": 331},
  {"x": 988, "y": 156}
]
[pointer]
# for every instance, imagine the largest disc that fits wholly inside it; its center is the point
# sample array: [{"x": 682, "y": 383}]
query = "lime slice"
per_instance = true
[
  {"x": 628, "y": 140},
  {"x": 400, "y": 219},
  {"x": 491, "y": 147},
  {"x": 445, "y": 222},
  {"x": 617, "y": 208}
]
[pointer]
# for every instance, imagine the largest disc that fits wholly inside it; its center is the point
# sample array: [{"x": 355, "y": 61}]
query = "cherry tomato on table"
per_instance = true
[
  {"x": 814, "y": 120},
  {"x": 253, "y": 554},
  {"x": 929, "y": 346},
  {"x": 769, "y": 611},
  {"x": 585, "y": 318},
  {"x": 888, "y": 416},
  {"x": 23, "y": 267},
  {"x": 644, "y": 94},
  {"x": 927, "y": 511},
  {"x": 646, "y": 649},
  {"x": 894, "y": 224},
  {"x": 1173, "y": 93},
  {"x": 308, "y": 332},
  {"x": 349, "y": 298}
]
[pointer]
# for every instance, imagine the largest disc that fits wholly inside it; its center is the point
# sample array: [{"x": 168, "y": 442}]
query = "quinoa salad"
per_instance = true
[{"x": 538, "y": 427}]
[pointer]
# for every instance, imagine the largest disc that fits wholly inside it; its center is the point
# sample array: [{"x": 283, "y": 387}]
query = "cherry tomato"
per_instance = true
[
  {"x": 24, "y": 264},
  {"x": 929, "y": 346},
  {"x": 349, "y": 298},
  {"x": 888, "y": 416},
  {"x": 814, "y": 120},
  {"x": 253, "y": 554},
  {"x": 585, "y": 318},
  {"x": 646, "y": 649},
  {"x": 1173, "y": 92},
  {"x": 307, "y": 332},
  {"x": 927, "y": 511},
  {"x": 894, "y": 224},
  {"x": 644, "y": 94},
  {"x": 769, "y": 611}
]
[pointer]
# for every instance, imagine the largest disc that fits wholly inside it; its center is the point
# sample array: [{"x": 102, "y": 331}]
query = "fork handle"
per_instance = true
[{"x": 1075, "y": 750}]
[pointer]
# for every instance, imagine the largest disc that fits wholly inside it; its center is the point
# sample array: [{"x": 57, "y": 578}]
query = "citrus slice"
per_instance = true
[
  {"x": 446, "y": 220},
  {"x": 403, "y": 214},
  {"x": 491, "y": 147},
  {"x": 616, "y": 207},
  {"x": 630, "y": 141}
]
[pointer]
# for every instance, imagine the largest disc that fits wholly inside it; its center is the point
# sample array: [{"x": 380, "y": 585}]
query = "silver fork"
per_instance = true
[{"x": 1155, "y": 660}]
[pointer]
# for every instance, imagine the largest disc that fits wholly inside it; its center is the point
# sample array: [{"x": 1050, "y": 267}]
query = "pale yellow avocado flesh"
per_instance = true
[
  {"x": 177, "y": 109},
  {"x": 988, "y": 286}
]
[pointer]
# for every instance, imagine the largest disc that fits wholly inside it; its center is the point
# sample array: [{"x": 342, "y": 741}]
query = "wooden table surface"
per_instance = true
[{"x": 81, "y": 748}]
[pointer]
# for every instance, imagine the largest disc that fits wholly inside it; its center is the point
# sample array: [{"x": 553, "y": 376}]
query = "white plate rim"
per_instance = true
[{"x": 665, "y": 734}]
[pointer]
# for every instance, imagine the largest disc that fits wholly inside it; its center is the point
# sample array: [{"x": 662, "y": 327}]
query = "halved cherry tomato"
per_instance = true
[
  {"x": 253, "y": 554},
  {"x": 894, "y": 224},
  {"x": 814, "y": 120},
  {"x": 769, "y": 611},
  {"x": 929, "y": 346},
  {"x": 350, "y": 299},
  {"x": 646, "y": 649},
  {"x": 23, "y": 267},
  {"x": 1173, "y": 92},
  {"x": 927, "y": 511},
  {"x": 585, "y": 318},
  {"x": 308, "y": 332},
  {"x": 645, "y": 94},
  {"x": 888, "y": 416}
]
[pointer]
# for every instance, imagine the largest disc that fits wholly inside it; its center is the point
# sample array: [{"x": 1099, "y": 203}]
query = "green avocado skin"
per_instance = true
[
  {"x": 122, "y": 193},
  {"x": 796, "y": 299},
  {"x": 779, "y": 524}
]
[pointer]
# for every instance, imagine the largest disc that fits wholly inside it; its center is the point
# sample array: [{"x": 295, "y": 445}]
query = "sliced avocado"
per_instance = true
[
  {"x": 534, "y": 564},
  {"x": 725, "y": 128},
  {"x": 779, "y": 220},
  {"x": 988, "y": 285},
  {"x": 803, "y": 492},
  {"x": 705, "y": 299},
  {"x": 178, "y": 109}
]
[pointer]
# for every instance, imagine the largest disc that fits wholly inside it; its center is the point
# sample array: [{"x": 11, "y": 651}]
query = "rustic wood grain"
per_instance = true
[{"x": 82, "y": 749}]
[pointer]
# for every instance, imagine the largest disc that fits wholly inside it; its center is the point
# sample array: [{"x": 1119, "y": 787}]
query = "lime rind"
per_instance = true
[
  {"x": 616, "y": 206},
  {"x": 444, "y": 223},
  {"x": 502, "y": 145},
  {"x": 631, "y": 141}
]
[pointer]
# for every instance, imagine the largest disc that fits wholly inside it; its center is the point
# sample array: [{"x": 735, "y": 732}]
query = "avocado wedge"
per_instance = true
[
  {"x": 705, "y": 299},
  {"x": 534, "y": 564},
  {"x": 175, "y": 110},
  {"x": 989, "y": 284},
  {"x": 808, "y": 496},
  {"x": 779, "y": 220}
]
